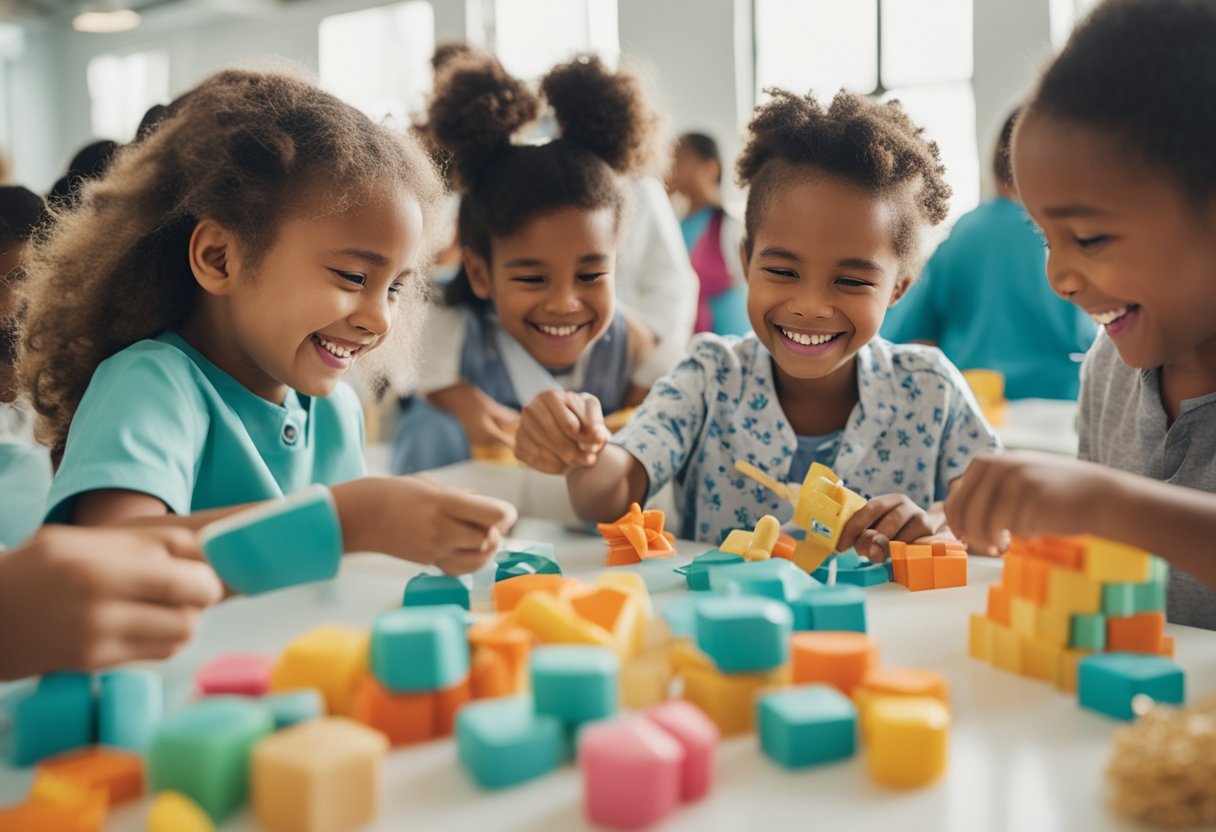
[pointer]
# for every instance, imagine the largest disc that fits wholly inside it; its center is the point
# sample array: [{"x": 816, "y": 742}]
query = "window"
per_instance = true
[
  {"x": 817, "y": 45},
  {"x": 531, "y": 36},
  {"x": 12, "y": 41},
  {"x": 378, "y": 60},
  {"x": 122, "y": 88}
]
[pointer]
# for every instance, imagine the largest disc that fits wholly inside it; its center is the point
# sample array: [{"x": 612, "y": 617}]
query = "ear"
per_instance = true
[
  {"x": 214, "y": 258},
  {"x": 478, "y": 270},
  {"x": 902, "y": 284}
]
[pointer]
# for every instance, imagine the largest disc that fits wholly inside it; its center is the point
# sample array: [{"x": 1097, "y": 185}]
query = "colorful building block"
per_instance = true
[
  {"x": 56, "y": 804},
  {"x": 1054, "y": 626},
  {"x": 1140, "y": 633},
  {"x": 907, "y": 740},
  {"x": 1069, "y": 660},
  {"x": 744, "y": 634},
  {"x": 503, "y": 742},
  {"x": 1041, "y": 659},
  {"x": 1000, "y": 604},
  {"x": 824, "y": 507},
  {"x": 120, "y": 774},
  {"x": 836, "y": 658},
  {"x": 403, "y": 718},
  {"x": 435, "y": 590},
  {"x": 499, "y": 663},
  {"x": 778, "y": 579},
  {"x": 552, "y": 620},
  {"x": 130, "y": 704},
  {"x": 1118, "y": 599},
  {"x": 631, "y": 582},
  {"x": 862, "y": 574},
  {"x": 1073, "y": 592},
  {"x": 522, "y": 563},
  {"x": 319, "y": 776},
  {"x": 515, "y": 546},
  {"x": 203, "y": 752},
  {"x": 736, "y": 542},
  {"x": 294, "y": 706},
  {"x": 417, "y": 649},
  {"x": 1088, "y": 632},
  {"x": 1024, "y": 617},
  {"x": 575, "y": 683},
  {"x": 729, "y": 700},
  {"x": 764, "y": 539},
  {"x": 697, "y": 573},
  {"x": 807, "y": 725},
  {"x": 328, "y": 659},
  {"x": 901, "y": 681},
  {"x": 698, "y": 736},
  {"x": 631, "y": 772},
  {"x": 1108, "y": 682},
  {"x": 840, "y": 607},
  {"x": 979, "y": 638},
  {"x": 239, "y": 674},
  {"x": 1109, "y": 562},
  {"x": 174, "y": 812},
  {"x": 1006, "y": 648},
  {"x": 645, "y": 680},
  {"x": 637, "y": 536},
  {"x": 509, "y": 592},
  {"x": 1150, "y": 595},
  {"x": 617, "y": 611},
  {"x": 54, "y": 717},
  {"x": 680, "y": 613},
  {"x": 448, "y": 703}
]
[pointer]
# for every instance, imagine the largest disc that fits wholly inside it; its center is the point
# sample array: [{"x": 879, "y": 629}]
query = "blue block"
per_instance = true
[
  {"x": 697, "y": 572},
  {"x": 839, "y": 607},
  {"x": 435, "y": 590},
  {"x": 130, "y": 704},
  {"x": 1107, "y": 682},
  {"x": 806, "y": 726},
  {"x": 420, "y": 649},
  {"x": 575, "y": 683},
  {"x": 525, "y": 563},
  {"x": 503, "y": 742},
  {"x": 277, "y": 544},
  {"x": 774, "y": 578},
  {"x": 294, "y": 706},
  {"x": 56, "y": 716},
  {"x": 680, "y": 613},
  {"x": 744, "y": 633}
]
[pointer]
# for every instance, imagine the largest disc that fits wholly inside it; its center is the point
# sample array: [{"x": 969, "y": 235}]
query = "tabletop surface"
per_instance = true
[{"x": 1022, "y": 754}]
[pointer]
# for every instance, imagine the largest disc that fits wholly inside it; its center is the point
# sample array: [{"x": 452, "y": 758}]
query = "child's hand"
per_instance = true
[
  {"x": 486, "y": 423},
  {"x": 888, "y": 517},
  {"x": 1025, "y": 494},
  {"x": 560, "y": 431},
  {"x": 416, "y": 518},
  {"x": 84, "y": 599}
]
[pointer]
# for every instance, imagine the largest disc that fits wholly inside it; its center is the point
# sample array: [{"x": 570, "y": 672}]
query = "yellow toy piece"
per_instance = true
[
  {"x": 764, "y": 538},
  {"x": 174, "y": 812},
  {"x": 326, "y": 658},
  {"x": 729, "y": 700},
  {"x": 908, "y": 739},
  {"x": 737, "y": 542},
  {"x": 554, "y": 621}
]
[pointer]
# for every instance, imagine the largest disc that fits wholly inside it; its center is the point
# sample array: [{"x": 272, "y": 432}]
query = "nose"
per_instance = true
[
  {"x": 563, "y": 300},
  {"x": 811, "y": 302},
  {"x": 1064, "y": 279},
  {"x": 374, "y": 314}
]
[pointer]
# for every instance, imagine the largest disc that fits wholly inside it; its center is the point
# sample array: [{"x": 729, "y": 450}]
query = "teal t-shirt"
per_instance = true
[
  {"x": 984, "y": 300},
  {"x": 161, "y": 419}
]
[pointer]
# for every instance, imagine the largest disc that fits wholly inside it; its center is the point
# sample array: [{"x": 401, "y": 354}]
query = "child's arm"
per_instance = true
[
  {"x": 83, "y": 599},
  {"x": 885, "y": 518},
  {"x": 1029, "y": 494}
]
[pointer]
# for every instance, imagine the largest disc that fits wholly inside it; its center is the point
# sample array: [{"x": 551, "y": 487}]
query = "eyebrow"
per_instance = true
[
  {"x": 845, "y": 263},
  {"x": 1063, "y": 212},
  {"x": 533, "y": 262}
]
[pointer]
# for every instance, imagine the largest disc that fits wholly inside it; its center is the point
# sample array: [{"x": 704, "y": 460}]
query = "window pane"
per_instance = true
[
  {"x": 947, "y": 114},
  {"x": 122, "y": 88},
  {"x": 379, "y": 59},
  {"x": 925, "y": 42},
  {"x": 817, "y": 45},
  {"x": 531, "y": 36}
]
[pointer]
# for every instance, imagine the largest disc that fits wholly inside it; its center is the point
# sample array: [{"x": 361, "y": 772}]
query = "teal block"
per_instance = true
[
  {"x": 56, "y": 716},
  {"x": 525, "y": 563},
  {"x": 680, "y": 613},
  {"x": 807, "y": 726},
  {"x": 890, "y": 569},
  {"x": 203, "y": 752},
  {"x": 435, "y": 590},
  {"x": 420, "y": 649},
  {"x": 1108, "y": 682},
  {"x": 849, "y": 559},
  {"x": 839, "y": 607},
  {"x": 504, "y": 742},
  {"x": 1088, "y": 632},
  {"x": 130, "y": 704},
  {"x": 575, "y": 683},
  {"x": 1150, "y": 595},
  {"x": 294, "y": 706},
  {"x": 1119, "y": 599},
  {"x": 744, "y": 633},
  {"x": 277, "y": 544},
  {"x": 697, "y": 572},
  {"x": 774, "y": 578},
  {"x": 863, "y": 573},
  {"x": 515, "y": 546}
]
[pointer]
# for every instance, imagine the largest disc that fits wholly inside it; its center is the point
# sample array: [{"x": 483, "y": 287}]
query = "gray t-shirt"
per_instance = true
[{"x": 1123, "y": 425}]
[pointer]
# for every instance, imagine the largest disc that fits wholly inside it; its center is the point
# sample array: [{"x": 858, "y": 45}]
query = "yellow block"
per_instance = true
[
  {"x": 85, "y": 805},
  {"x": 729, "y": 700},
  {"x": 1072, "y": 591},
  {"x": 630, "y": 582},
  {"x": 685, "y": 654},
  {"x": 1109, "y": 562},
  {"x": 979, "y": 638},
  {"x": 1055, "y": 626},
  {"x": 1067, "y": 678},
  {"x": 1041, "y": 659},
  {"x": 646, "y": 680},
  {"x": 553, "y": 621},
  {"x": 1006, "y": 648},
  {"x": 616, "y": 610},
  {"x": 327, "y": 658},
  {"x": 737, "y": 542},
  {"x": 174, "y": 812},
  {"x": 764, "y": 538},
  {"x": 1024, "y": 617},
  {"x": 824, "y": 507},
  {"x": 908, "y": 740}
]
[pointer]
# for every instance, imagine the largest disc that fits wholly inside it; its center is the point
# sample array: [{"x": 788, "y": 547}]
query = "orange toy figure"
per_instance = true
[{"x": 637, "y": 536}]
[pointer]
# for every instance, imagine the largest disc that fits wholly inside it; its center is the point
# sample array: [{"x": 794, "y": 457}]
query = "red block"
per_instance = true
[{"x": 1140, "y": 633}]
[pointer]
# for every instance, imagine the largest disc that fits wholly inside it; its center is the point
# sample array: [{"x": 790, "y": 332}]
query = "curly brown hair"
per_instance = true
[
  {"x": 872, "y": 144},
  {"x": 244, "y": 148}
]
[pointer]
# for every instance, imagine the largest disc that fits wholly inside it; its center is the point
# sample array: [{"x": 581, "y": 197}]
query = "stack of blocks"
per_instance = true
[
  {"x": 1062, "y": 599},
  {"x": 936, "y": 565}
]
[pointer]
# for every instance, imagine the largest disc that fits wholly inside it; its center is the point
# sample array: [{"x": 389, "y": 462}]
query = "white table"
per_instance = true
[
  {"x": 1023, "y": 755},
  {"x": 1047, "y": 425}
]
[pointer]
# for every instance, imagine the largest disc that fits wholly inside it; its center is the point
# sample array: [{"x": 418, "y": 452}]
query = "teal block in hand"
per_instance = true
[
  {"x": 277, "y": 544},
  {"x": 575, "y": 683},
  {"x": 806, "y": 726},
  {"x": 435, "y": 590},
  {"x": 420, "y": 649},
  {"x": 839, "y": 607},
  {"x": 503, "y": 742},
  {"x": 1108, "y": 682},
  {"x": 130, "y": 704},
  {"x": 744, "y": 633},
  {"x": 525, "y": 563},
  {"x": 203, "y": 752},
  {"x": 774, "y": 578},
  {"x": 698, "y": 571},
  {"x": 56, "y": 716},
  {"x": 294, "y": 706}
]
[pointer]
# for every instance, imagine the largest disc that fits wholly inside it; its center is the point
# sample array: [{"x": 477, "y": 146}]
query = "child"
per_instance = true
[
  {"x": 193, "y": 318},
  {"x": 1115, "y": 164},
  {"x": 84, "y": 599},
  {"x": 837, "y": 201},
  {"x": 538, "y": 227}
]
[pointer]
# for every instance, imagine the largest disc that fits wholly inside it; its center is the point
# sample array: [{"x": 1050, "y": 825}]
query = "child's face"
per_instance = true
[
  {"x": 822, "y": 273},
  {"x": 690, "y": 172},
  {"x": 324, "y": 293},
  {"x": 551, "y": 282},
  {"x": 1125, "y": 244}
]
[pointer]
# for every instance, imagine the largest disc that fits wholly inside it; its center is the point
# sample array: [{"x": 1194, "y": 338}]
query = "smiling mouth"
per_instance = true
[
  {"x": 1112, "y": 316},
  {"x": 564, "y": 331},
  {"x": 338, "y": 350},
  {"x": 808, "y": 339}
]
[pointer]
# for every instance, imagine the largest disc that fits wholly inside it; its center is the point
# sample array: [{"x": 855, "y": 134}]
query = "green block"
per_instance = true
[
  {"x": 435, "y": 590},
  {"x": 680, "y": 613},
  {"x": 697, "y": 572},
  {"x": 503, "y": 742},
  {"x": 1088, "y": 632},
  {"x": 420, "y": 649},
  {"x": 203, "y": 752},
  {"x": 839, "y": 607},
  {"x": 575, "y": 683},
  {"x": 1119, "y": 599},
  {"x": 55, "y": 717},
  {"x": 1150, "y": 595},
  {"x": 525, "y": 563}
]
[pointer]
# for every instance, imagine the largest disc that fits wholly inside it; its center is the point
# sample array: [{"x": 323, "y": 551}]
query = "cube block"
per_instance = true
[
  {"x": 435, "y": 590},
  {"x": 839, "y": 659},
  {"x": 1109, "y": 562},
  {"x": 697, "y": 573},
  {"x": 419, "y": 649},
  {"x": 1140, "y": 633},
  {"x": 807, "y": 725},
  {"x": 56, "y": 716},
  {"x": 744, "y": 634},
  {"x": 907, "y": 741},
  {"x": 403, "y": 718},
  {"x": 698, "y": 736},
  {"x": 1108, "y": 682},
  {"x": 120, "y": 774},
  {"x": 840, "y": 607},
  {"x": 326, "y": 658},
  {"x": 1088, "y": 632},
  {"x": 1074, "y": 592},
  {"x": 575, "y": 683},
  {"x": 502, "y": 742},
  {"x": 631, "y": 772},
  {"x": 774, "y": 578},
  {"x": 130, "y": 704},
  {"x": 294, "y": 706},
  {"x": 883, "y": 682},
  {"x": 240, "y": 674},
  {"x": 729, "y": 700}
]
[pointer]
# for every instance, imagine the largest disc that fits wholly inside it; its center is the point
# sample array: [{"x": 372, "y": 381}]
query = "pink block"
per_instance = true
[
  {"x": 241, "y": 674},
  {"x": 698, "y": 735},
  {"x": 631, "y": 772}
]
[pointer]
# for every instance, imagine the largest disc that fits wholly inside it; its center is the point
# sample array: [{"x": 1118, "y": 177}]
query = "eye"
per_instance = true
[
  {"x": 353, "y": 277},
  {"x": 396, "y": 288},
  {"x": 591, "y": 278},
  {"x": 852, "y": 282},
  {"x": 528, "y": 278},
  {"x": 776, "y": 272},
  {"x": 1091, "y": 243}
]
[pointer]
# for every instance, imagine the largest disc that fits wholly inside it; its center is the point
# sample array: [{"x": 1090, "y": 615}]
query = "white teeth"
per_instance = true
[
  {"x": 804, "y": 339},
  {"x": 334, "y": 349},
  {"x": 1104, "y": 318},
  {"x": 558, "y": 331}
]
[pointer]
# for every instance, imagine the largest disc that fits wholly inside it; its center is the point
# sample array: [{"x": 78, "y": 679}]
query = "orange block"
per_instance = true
[
  {"x": 1014, "y": 577},
  {"x": 57, "y": 805},
  {"x": 920, "y": 567},
  {"x": 836, "y": 658},
  {"x": 905, "y": 681},
  {"x": 1167, "y": 646},
  {"x": 1140, "y": 633},
  {"x": 120, "y": 774},
  {"x": 508, "y": 593},
  {"x": 601, "y": 606},
  {"x": 489, "y": 676},
  {"x": 403, "y": 718},
  {"x": 999, "y": 600},
  {"x": 785, "y": 547},
  {"x": 447, "y": 702},
  {"x": 1068, "y": 552},
  {"x": 942, "y": 548},
  {"x": 1037, "y": 573},
  {"x": 949, "y": 570},
  {"x": 899, "y": 570}
]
